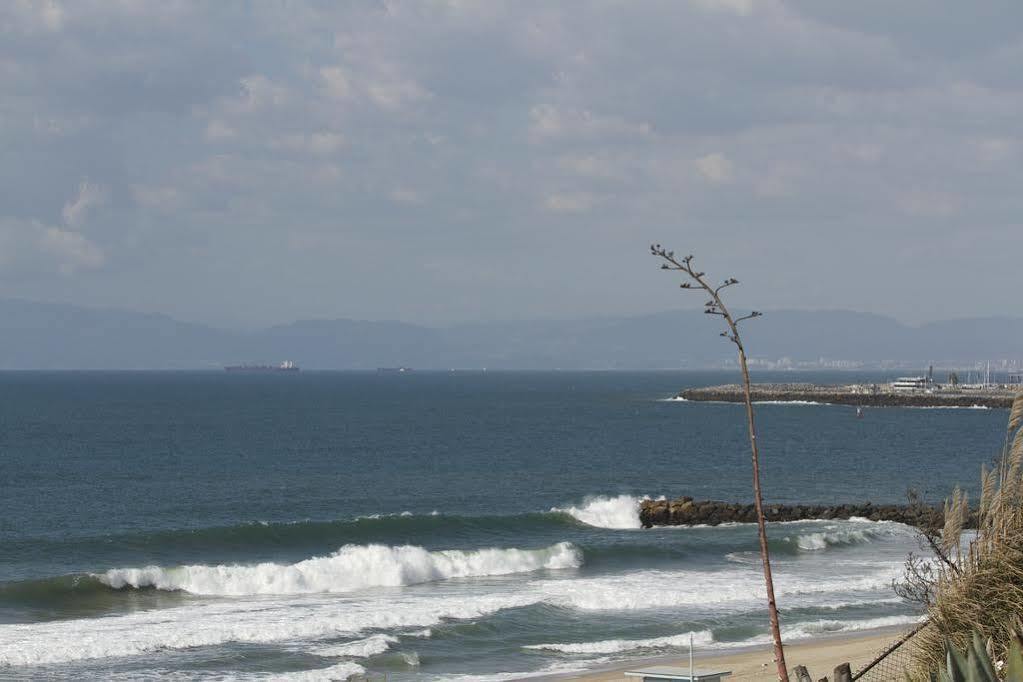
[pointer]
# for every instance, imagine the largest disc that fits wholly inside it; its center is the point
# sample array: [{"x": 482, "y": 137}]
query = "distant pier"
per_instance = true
[{"x": 860, "y": 395}]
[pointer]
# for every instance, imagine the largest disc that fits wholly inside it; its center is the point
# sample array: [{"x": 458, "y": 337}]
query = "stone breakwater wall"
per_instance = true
[
  {"x": 859, "y": 395},
  {"x": 685, "y": 511}
]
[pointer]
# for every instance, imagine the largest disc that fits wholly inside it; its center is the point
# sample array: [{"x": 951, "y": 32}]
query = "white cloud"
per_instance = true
[
  {"x": 217, "y": 129},
  {"x": 47, "y": 15},
  {"x": 715, "y": 167},
  {"x": 548, "y": 121},
  {"x": 160, "y": 198},
  {"x": 257, "y": 92},
  {"x": 592, "y": 166},
  {"x": 393, "y": 92},
  {"x": 579, "y": 202},
  {"x": 336, "y": 82},
  {"x": 321, "y": 143},
  {"x": 70, "y": 249},
  {"x": 29, "y": 245},
  {"x": 89, "y": 196},
  {"x": 740, "y": 7}
]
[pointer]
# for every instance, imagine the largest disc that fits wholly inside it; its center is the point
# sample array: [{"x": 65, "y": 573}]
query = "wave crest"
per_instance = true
[
  {"x": 621, "y": 512},
  {"x": 352, "y": 567},
  {"x": 612, "y": 646},
  {"x": 833, "y": 537},
  {"x": 360, "y": 648}
]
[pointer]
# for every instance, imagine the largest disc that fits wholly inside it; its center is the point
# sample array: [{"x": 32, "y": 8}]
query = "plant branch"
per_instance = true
[{"x": 716, "y": 306}]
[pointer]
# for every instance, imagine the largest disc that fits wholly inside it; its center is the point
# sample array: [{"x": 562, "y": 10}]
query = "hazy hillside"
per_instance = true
[{"x": 50, "y": 336}]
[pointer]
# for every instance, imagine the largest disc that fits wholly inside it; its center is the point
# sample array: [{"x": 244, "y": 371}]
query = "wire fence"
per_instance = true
[{"x": 892, "y": 662}]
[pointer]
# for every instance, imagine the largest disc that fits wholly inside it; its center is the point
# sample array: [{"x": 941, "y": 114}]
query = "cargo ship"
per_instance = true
[{"x": 286, "y": 366}]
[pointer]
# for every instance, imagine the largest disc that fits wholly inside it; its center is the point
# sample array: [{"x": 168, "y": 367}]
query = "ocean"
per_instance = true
[{"x": 432, "y": 525}]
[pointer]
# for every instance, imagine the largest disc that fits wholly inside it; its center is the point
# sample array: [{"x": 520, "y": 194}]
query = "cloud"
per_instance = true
[
  {"x": 715, "y": 167},
  {"x": 549, "y": 121},
  {"x": 740, "y": 7},
  {"x": 159, "y": 198},
  {"x": 569, "y": 203},
  {"x": 219, "y": 130},
  {"x": 89, "y": 196},
  {"x": 71, "y": 250},
  {"x": 323, "y": 143},
  {"x": 28, "y": 246},
  {"x": 447, "y": 131},
  {"x": 335, "y": 81}
]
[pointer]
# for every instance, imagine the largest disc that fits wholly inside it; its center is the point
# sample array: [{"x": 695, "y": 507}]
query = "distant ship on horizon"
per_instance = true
[{"x": 286, "y": 366}]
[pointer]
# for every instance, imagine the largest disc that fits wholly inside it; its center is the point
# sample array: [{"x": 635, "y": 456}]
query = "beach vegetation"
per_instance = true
[{"x": 973, "y": 584}]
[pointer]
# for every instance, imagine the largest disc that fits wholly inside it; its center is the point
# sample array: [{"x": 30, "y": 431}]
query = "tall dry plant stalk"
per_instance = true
[
  {"x": 977, "y": 587},
  {"x": 715, "y": 306}
]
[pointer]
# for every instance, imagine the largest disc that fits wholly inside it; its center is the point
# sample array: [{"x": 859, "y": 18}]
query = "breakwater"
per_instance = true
[
  {"x": 685, "y": 511},
  {"x": 861, "y": 395}
]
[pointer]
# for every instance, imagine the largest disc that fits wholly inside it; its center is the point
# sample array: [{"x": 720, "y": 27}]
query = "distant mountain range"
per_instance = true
[{"x": 55, "y": 336}]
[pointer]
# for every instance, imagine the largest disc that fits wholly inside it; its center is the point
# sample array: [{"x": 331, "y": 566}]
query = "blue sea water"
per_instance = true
[{"x": 440, "y": 525}]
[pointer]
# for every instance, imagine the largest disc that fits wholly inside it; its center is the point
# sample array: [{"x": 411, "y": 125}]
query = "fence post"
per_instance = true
[{"x": 843, "y": 673}]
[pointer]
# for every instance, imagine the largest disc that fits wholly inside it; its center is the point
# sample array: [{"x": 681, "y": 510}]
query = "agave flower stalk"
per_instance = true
[{"x": 697, "y": 281}]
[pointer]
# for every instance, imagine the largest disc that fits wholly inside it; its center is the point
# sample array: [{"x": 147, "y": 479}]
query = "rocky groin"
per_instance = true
[
  {"x": 861, "y": 395},
  {"x": 685, "y": 511}
]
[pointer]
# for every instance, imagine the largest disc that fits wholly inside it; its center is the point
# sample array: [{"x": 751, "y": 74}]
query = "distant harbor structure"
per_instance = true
[
  {"x": 394, "y": 370},
  {"x": 910, "y": 391},
  {"x": 910, "y": 384},
  {"x": 287, "y": 366}
]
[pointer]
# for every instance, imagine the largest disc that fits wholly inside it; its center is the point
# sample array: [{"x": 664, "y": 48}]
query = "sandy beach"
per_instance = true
[{"x": 819, "y": 655}]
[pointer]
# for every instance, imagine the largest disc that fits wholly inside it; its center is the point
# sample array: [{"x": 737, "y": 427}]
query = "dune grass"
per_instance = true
[{"x": 976, "y": 584}]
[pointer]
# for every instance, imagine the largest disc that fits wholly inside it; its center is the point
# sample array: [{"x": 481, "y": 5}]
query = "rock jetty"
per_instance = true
[
  {"x": 862, "y": 395},
  {"x": 685, "y": 511}
]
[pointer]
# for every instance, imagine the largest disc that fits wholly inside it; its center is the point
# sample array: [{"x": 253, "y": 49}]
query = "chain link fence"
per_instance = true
[{"x": 892, "y": 662}]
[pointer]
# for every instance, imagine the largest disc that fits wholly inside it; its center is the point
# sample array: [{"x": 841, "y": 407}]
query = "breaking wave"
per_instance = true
[
  {"x": 621, "y": 512},
  {"x": 613, "y": 646},
  {"x": 341, "y": 671},
  {"x": 833, "y": 537},
  {"x": 360, "y": 648},
  {"x": 352, "y": 567}
]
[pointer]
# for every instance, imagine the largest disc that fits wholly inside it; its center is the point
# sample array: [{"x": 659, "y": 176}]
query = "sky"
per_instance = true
[{"x": 244, "y": 164}]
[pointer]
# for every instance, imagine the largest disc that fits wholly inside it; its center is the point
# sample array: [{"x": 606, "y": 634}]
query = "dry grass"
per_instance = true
[{"x": 980, "y": 587}]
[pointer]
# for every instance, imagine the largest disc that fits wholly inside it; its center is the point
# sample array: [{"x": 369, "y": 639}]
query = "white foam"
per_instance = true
[
  {"x": 947, "y": 407},
  {"x": 360, "y": 648},
  {"x": 425, "y": 633},
  {"x": 612, "y": 646},
  {"x": 352, "y": 567},
  {"x": 341, "y": 671},
  {"x": 787, "y": 402},
  {"x": 308, "y": 620},
  {"x": 705, "y": 638},
  {"x": 254, "y": 620},
  {"x": 814, "y": 628},
  {"x": 734, "y": 589},
  {"x": 621, "y": 512}
]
